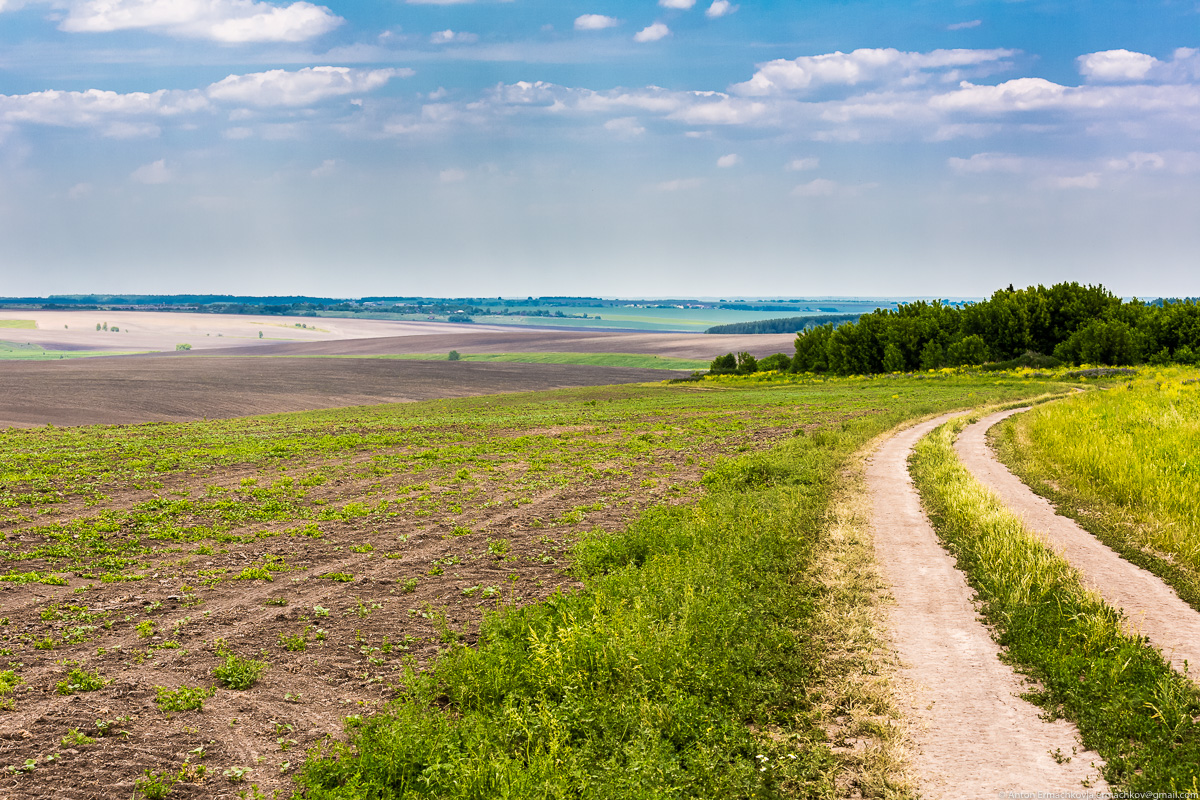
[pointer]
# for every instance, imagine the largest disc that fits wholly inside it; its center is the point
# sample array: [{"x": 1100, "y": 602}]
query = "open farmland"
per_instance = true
[{"x": 342, "y": 548}]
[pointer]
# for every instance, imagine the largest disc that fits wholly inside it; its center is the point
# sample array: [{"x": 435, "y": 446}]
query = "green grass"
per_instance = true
[
  {"x": 14, "y": 351},
  {"x": 1128, "y": 703},
  {"x": 693, "y": 634},
  {"x": 1125, "y": 464},
  {"x": 23, "y": 324}
]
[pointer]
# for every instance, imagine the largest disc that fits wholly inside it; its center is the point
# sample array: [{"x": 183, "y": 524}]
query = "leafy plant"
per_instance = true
[
  {"x": 79, "y": 680},
  {"x": 185, "y": 698},
  {"x": 237, "y": 672}
]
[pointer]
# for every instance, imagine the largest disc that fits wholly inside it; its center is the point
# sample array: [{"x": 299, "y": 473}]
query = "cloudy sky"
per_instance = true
[{"x": 608, "y": 147}]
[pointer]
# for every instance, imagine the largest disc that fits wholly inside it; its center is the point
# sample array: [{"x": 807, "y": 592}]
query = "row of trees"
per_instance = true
[{"x": 1074, "y": 323}]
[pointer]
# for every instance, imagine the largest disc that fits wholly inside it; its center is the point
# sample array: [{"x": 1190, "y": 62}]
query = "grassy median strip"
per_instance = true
[
  {"x": 1123, "y": 464},
  {"x": 1127, "y": 702}
]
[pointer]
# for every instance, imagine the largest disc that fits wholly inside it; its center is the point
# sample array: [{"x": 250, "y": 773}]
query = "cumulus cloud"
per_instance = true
[
  {"x": 730, "y": 160},
  {"x": 95, "y": 106},
  {"x": 962, "y": 26},
  {"x": 720, "y": 8},
  {"x": 302, "y": 87},
  {"x": 987, "y": 162},
  {"x": 595, "y": 22},
  {"x": 155, "y": 172},
  {"x": 230, "y": 21},
  {"x": 680, "y": 4},
  {"x": 860, "y": 66},
  {"x": 1116, "y": 65},
  {"x": 1137, "y": 161},
  {"x": 448, "y": 36},
  {"x": 328, "y": 167},
  {"x": 625, "y": 127},
  {"x": 818, "y": 187},
  {"x": 801, "y": 164},
  {"x": 652, "y": 33}
]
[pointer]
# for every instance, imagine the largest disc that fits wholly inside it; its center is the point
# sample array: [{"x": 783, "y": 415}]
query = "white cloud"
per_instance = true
[
  {"x": 153, "y": 173},
  {"x": 300, "y": 87},
  {"x": 801, "y": 164},
  {"x": 1089, "y": 181},
  {"x": 1116, "y": 65},
  {"x": 79, "y": 191},
  {"x": 679, "y": 185},
  {"x": 595, "y": 22},
  {"x": 730, "y": 160},
  {"x": 720, "y": 8},
  {"x": 452, "y": 176},
  {"x": 859, "y": 66},
  {"x": 328, "y": 167},
  {"x": 625, "y": 127},
  {"x": 131, "y": 130},
  {"x": 448, "y": 36},
  {"x": 230, "y": 21},
  {"x": 235, "y": 134},
  {"x": 652, "y": 33},
  {"x": 819, "y": 187},
  {"x": 1137, "y": 161},
  {"x": 680, "y": 4},
  {"x": 988, "y": 162},
  {"x": 1020, "y": 94},
  {"x": 95, "y": 106},
  {"x": 962, "y": 26}
]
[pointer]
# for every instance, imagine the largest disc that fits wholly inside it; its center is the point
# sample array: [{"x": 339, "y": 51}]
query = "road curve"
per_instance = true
[
  {"x": 975, "y": 737},
  {"x": 1152, "y": 608}
]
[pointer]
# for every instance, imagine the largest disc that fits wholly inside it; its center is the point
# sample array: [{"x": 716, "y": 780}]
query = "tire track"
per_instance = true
[
  {"x": 975, "y": 737},
  {"x": 1151, "y": 607}
]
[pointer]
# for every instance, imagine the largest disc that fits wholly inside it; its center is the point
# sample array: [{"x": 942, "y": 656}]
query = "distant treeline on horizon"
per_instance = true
[
  {"x": 1067, "y": 323},
  {"x": 783, "y": 325}
]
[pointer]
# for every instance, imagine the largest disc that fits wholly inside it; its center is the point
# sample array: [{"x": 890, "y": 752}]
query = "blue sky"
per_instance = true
[{"x": 607, "y": 147}]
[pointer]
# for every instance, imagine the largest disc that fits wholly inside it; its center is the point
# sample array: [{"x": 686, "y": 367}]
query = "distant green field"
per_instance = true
[
  {"x": 595, "y": 359},
  {"x": 12, "y": 351},
  {"x": 24, "y": 324}
]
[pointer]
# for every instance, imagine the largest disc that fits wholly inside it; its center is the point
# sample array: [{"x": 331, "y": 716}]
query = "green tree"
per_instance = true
[
  {"x": 746, "y": 364},
  {"x": 893, "y": 359},
  {"x": 723, "y": 365},
  {"x": 967, "y": 350},
  {"x": 454, "y": 355},
  {"x": 779, "y": 362},
  {"x": 932, "y": 356}
]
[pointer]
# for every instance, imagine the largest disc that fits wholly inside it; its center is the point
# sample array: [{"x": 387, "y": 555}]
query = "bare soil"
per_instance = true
[
  {"x": 1152, "y": 608},
  {"x": 129, "y": 389},
  {"x": 360, "y": 629},
  {"x": 974, "y": 736}
]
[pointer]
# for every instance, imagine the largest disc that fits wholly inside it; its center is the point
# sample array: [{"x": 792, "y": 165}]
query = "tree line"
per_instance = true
[
  {"x": 782, "y": 324},
  {"x": 1065, "y": 323}
]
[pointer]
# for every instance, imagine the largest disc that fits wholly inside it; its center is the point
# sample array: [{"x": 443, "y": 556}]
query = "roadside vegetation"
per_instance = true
[
  {"x": 231, "y": 581},
  {"x": 1125, "y": 464},
  {"x": 1127, "y": 702}
]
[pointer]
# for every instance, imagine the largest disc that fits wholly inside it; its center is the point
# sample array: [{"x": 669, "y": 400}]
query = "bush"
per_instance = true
[
  {"x": 455, "y": 355},
  {"x": 183, "y": 347},
  {"x": 746, "y": 364},
  {"x": 723, "y": 365},
  {"x": 775, "y": 363}
]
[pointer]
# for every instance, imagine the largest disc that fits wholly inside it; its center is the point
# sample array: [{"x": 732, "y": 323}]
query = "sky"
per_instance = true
[{"x": 599, "y": 147}]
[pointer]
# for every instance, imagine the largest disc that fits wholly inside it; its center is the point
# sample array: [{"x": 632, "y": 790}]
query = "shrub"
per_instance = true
[
  {"x": 454, "y": 355},
  {"x": 183, "y": 347},
  {"x": 79, "y": 680}
]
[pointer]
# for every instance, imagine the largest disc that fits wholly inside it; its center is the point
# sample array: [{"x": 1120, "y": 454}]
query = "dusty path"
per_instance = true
[
  {"x": 1151, "y": 606},
  {"x": 975, "y": 736}
]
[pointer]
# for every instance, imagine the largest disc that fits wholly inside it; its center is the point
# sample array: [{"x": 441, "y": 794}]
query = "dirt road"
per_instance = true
[
  {"x": 1152, "y": 607},
  {"x": 975, "y": 737}
]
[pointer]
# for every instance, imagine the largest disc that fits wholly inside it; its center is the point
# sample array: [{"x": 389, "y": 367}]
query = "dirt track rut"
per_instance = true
[
  {"x": 1152, "y": 608},
  {"x": 974, "y": 736}
]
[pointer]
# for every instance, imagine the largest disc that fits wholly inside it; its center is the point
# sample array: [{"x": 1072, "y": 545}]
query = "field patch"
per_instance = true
[
  {"x": 15, "y": 351},
  {"x": 635, "y": 360},
  {"x": 216, "y": 597},
  {"x": 24, "y": 324}
]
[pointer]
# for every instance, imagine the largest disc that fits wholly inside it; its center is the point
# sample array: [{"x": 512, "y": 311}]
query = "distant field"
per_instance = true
[
  {"x": 12, "y": 351},
  {"x": 639, "y": 360},
  {"x": 24, "y": 324},
  {"x": 694, "y": 320}
]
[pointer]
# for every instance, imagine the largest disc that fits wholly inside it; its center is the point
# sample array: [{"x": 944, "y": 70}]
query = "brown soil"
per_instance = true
[
  {"x": 359, "y": 635},
  {"x": 130, "y": 389},
  {"x": 496, "y": 340},
  {"x": 1151, "y": 607},
  {"x": 974, "y": 736}
]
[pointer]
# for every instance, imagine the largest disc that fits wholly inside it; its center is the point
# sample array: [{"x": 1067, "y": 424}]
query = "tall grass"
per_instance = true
[
  {"x": 1127, "y": 702},
  {"x": 1126, "y": 464}
]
